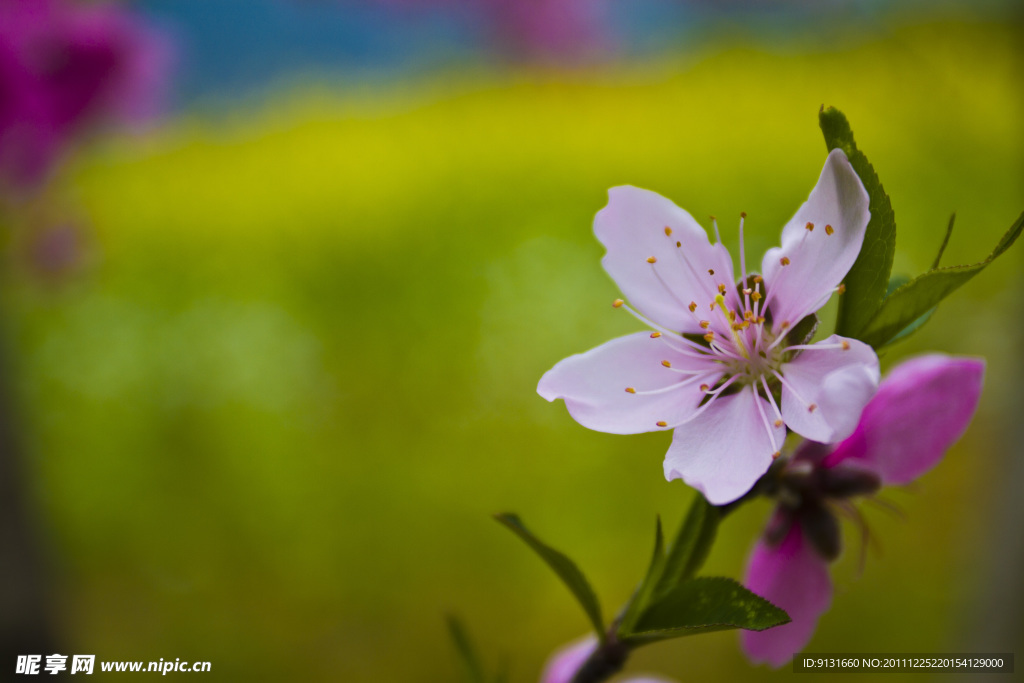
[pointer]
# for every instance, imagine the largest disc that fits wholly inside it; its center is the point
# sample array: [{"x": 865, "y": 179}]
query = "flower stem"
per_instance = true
[
  {"x": 604, "y": 662},
  {"x": 609, "y": 657}
]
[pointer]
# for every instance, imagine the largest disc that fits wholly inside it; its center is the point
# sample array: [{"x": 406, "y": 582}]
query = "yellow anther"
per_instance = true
[
  {"x": 693, "y": 306},
  {"x": 732, "y": 316},
  {"x": 712, "y": 218},
  {"x": 760, "y": 319},
  {"x": 651, "y": 259},
  {"x": 775, "y": 455},
  {"x": 679, "y": 244},
  {"x": 829, "y": 230},
  {"x": 748, "y": 315},
  {"x": 721, "y": 288},
  {"x": 709, "y": 337},
  {"x": 655, "y": 335},
  {"x": 630, "y": 390},
  {"x": 745, "y": 324},
  {"x": 705, "y": 323},
  {"x": 784, "y": 260},
  {"x": 666, "y": 363},
  {"x": 758, "y": 278},
  {"x": 617, "y": 303},
  {"x": 704, "y": 387},
  {"x": 846, "y": 345},
  {"x": 668, "y": 231},
  {"x": 778, "y": 423},
  {"x": 737, "y": 326},
  {"x": 661, "y": 423},
  {"x": 743, "y": 214},
  {"x": 756, "y": 296},
  {"x": 711, "y": 271},
  {"x": 811, "y": 408},
  {"x": 784, "y": 325},
  {"x": 809, "y": 226},
  {"x": 841, "y": 288}
]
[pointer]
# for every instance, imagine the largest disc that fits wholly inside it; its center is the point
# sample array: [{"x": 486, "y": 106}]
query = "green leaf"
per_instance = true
[
  {"x": 914, "y": 299},
  {"x": 704, "y": 605},
  {"x": 566, "y": 569},
  {"x": 869, "y": 276},
  {"x": 686, "y": 555},
  {"x": 895, "y": 283},
  {"x": 467, "y": 653}
]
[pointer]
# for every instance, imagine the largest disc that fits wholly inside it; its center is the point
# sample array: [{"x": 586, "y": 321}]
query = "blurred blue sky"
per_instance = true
[{"x": 235, "y": 47}]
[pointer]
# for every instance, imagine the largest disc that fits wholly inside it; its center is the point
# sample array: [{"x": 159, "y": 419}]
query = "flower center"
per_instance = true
[{"x": 740, "y": 345}]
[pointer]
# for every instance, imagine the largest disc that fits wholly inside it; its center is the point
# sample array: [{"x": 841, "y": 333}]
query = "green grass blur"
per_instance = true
[{"x": 271, "y": 421}]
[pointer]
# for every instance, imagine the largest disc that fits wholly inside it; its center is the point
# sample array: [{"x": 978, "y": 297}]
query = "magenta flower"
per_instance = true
[
  {"x": 63, "y": 68},
  {"x": 920, "y": 410},
  {"x": 722, "y": 367},
  {"x": 564, "y": 664}
]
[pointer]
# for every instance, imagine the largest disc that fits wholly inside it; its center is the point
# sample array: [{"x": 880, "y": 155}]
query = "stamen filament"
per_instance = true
[
  {"x": 670, "y": 387},
  {"x": 764, "y": 421},
  {"x": 664, "y": 284},
  {"x": 771, "y": 399},
  {"x": 844, "y": 345},
  {"x": 713, "y": 395},
  {"x": 689, "y": 348},
  {"x": 810, "y": 406}
]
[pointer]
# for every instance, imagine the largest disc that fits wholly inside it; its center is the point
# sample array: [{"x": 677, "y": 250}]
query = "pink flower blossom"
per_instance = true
[
  {"x": 920, "y": 410},
  {"x": 63, "y": 68},
  {"x": 721, "y": 367},
  {"x": 564, "y": 664}
]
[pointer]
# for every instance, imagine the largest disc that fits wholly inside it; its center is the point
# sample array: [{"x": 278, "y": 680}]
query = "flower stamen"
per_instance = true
[
  {"x": 712, "y": 395},
  {"x": 767, "y": 426},
  {"x": 689, "y": 348},
  {"x": 844, "y": 345},
  {"x": 811, "y": 407},
  {"x": 698, "y": 376},
  {"x": 714, "y": 222},
  {"x": 771, "y": 399}
]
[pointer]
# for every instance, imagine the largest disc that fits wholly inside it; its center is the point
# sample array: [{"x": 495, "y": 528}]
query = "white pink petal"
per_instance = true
[
  {"x": 727, "y": 448},
  {"x": 819, "y": 244},
  {"x": 826, "y": 387},
  {"x": 665, "y": 380},
  {"x": 660, "y": 258}
]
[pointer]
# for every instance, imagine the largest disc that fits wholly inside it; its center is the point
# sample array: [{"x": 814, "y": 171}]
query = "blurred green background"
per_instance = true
[{"x": 271, "y": 415}]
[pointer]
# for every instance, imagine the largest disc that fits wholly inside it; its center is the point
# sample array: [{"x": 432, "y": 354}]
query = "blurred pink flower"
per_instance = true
[
  {"x": 920, "y": 410},
  {"x": 718, "y": 395},
  {"x": 543, "y": 30},
  {"x": 564, "y": 664},
  {"x": 65, "y": 67},
  {"x": 561, "y": 30}
]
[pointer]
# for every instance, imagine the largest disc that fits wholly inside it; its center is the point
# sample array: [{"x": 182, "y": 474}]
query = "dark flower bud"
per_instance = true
[
  {"x": 821, "y": 529},
  {"x": 846, "y": 480}
]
